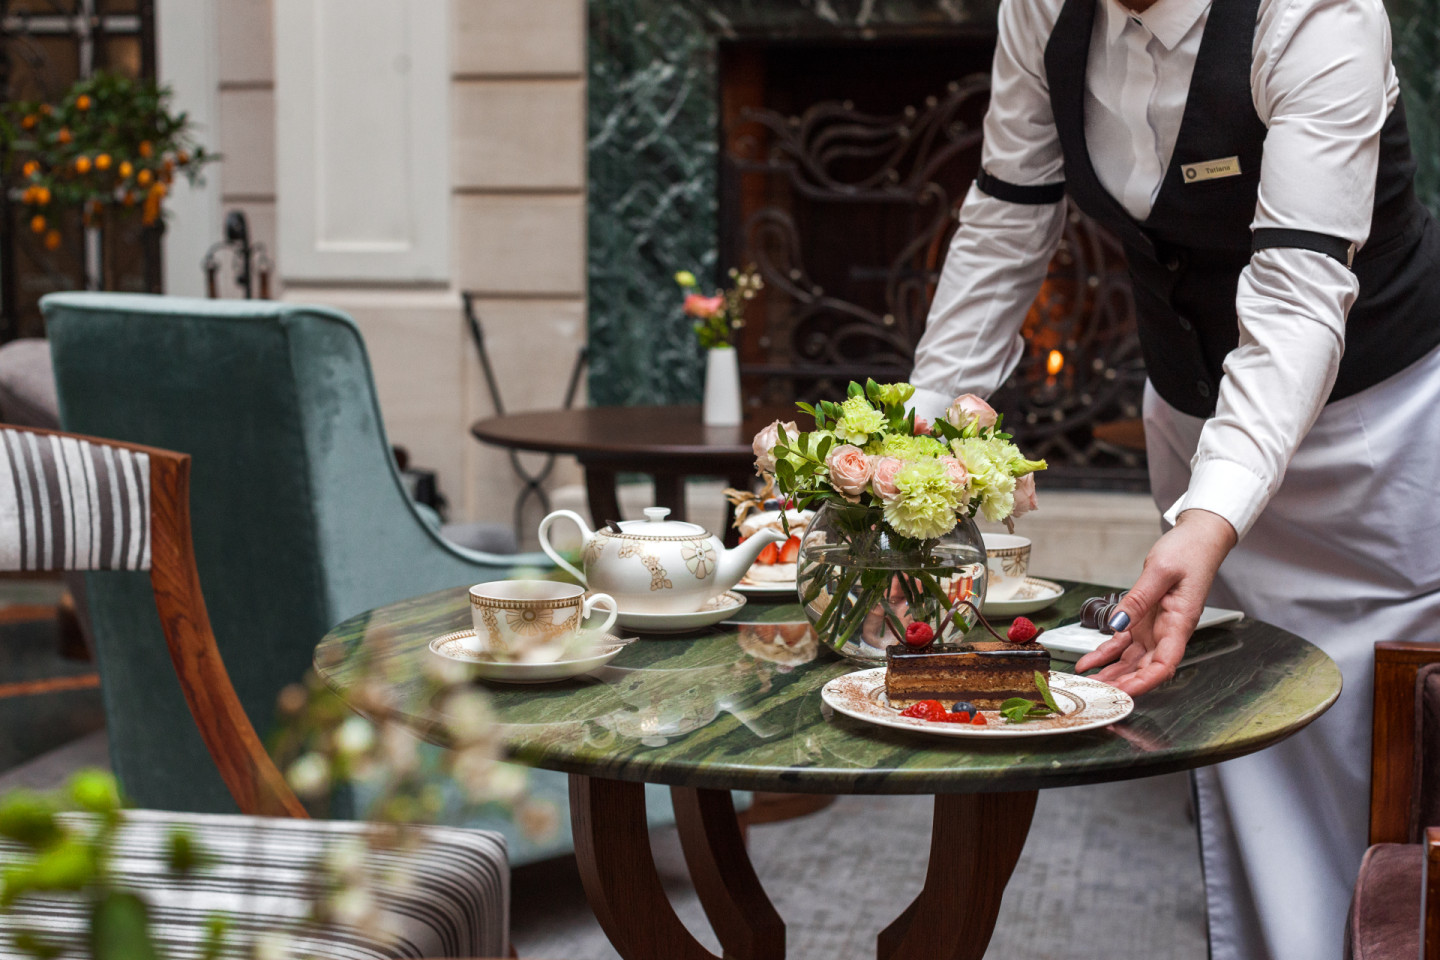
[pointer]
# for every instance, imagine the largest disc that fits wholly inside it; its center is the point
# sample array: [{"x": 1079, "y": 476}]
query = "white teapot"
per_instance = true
[{"x": 657, "y": 565}]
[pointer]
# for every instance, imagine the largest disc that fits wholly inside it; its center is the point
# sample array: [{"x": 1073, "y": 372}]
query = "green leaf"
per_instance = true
[
  {"x": 27, "y": 818},
  {"x": 854, "y": 390},
  {"x": 785, "y": 472},
  {"x": 120, "y": 929},
  {"x": 216, "y": 927},
  {"x": 806, "y": 407},
  {"x": 69, "y": 865},
  {"x": 183, "y": 853},
  {"x": 95, "y": 791},
  {"x": 27, "y": 941},
  {"x": 825, "y": 444},
  {"x": 1044, "y": 684}
]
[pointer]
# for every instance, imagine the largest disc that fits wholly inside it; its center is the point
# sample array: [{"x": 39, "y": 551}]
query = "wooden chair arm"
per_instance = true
[{"x": 1392, "y": 745}]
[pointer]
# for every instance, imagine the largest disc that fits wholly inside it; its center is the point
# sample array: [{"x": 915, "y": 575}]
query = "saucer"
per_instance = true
[
  {"x": 1034, "y": 594},
  {"x": 768, "y": 589},
  {"x": 722, "y": 607},
  {"x": 507, "y": 671}
]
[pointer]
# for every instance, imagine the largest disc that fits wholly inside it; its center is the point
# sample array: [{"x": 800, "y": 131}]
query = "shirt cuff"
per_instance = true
[
  {"x": 930, "y": 404},
  {"x": 1226, "y": 488}
]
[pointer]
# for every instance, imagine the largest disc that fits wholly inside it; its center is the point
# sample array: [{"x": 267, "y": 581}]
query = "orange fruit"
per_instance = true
[
  {"x": 29, "y": 121},
  {"x": 159, "y": 190},
  {"x": 31, "y": 168},
  {"x": 37, "y": 223},
  {"x": 52, "y": 240},
  {"x": 126, "y": 168},
  {"x": 82, "y": 164},
  {"x": 145, "y": 148},
  {"x": 82, "y": 102},
  {"x": 28, "y": 196},
  {"x": 42, "y": 195},
  {"x": 102, "y": 162},
  {"x": 46, "y": 109},
  {"x": 182, "y": 158},
  {"x": 129, "y": 199},
  {"x": 144, "y": 177},
  {"x": 64, "y": 135}
]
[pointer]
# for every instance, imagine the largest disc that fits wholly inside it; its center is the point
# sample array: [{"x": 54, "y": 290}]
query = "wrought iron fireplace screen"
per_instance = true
[{"x": 848, "y": 212}]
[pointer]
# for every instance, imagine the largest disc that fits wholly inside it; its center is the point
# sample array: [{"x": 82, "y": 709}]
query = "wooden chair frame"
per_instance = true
[{"x": 251, "y": 776}]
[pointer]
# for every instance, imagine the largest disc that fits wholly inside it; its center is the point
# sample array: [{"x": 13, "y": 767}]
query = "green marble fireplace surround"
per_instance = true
[{"x": 653, "y": 153}]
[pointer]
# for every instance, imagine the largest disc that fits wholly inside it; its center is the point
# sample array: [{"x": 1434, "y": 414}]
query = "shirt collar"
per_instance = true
[{"x": 1167, "y": 20}]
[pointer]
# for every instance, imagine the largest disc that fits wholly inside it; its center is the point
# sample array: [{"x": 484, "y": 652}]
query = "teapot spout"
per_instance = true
[{"x": 737, "y": 560}]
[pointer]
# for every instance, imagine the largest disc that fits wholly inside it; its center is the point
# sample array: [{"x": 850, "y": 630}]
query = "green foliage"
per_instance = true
[
  {"x": 120, "y": 928},
  {"x": 110, "y": 146},
  {"x": 1018, "y": 709}
]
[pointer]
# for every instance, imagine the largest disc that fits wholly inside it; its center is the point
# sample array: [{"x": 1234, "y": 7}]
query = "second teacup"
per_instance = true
[
  {"x": 1008, "y": 560},
  {"x": 513, "y": 617}
]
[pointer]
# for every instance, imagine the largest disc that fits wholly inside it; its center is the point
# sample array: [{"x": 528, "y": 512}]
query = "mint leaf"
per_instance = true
[{"x": 1044, "y": 684}]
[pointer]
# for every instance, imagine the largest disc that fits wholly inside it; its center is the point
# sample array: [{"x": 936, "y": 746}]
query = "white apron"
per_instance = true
[{"x": 1347, "y": 553}]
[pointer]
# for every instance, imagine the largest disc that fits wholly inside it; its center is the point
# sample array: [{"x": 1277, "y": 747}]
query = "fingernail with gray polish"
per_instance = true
[{"x": 1119, "y": 621}]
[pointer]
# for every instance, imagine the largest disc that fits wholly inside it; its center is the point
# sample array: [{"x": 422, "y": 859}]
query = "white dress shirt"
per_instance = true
[{"x": 1321, "y": 81}]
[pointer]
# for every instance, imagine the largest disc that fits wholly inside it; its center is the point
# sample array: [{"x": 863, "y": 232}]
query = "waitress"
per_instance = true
[{"x": 1253, "y": 159}]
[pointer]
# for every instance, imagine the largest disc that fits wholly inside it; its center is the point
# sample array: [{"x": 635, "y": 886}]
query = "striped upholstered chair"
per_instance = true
[{"x": 72, "y": 503}]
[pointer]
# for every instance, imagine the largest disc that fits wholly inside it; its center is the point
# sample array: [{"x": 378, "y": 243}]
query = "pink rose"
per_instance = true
[
  {"x": 922, "y": 426},
  {"x": 849, "y": 471},
  {"x": 1025, "y": 500},
  {"x": 882, "y": 477},
  {"x": 970, "y": 409},
  {"x": 703, "y": 307},
  {"x": 764, "y": 445},
  {"x": 958, "y": 474}
]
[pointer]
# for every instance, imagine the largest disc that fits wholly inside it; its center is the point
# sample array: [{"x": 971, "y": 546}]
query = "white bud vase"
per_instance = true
[{"x": 722, "y": 387}]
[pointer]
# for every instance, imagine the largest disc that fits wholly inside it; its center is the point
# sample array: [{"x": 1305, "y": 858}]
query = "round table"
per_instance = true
[
  {"x": 669, "y": 443},
  {"x": 738, "y": 707}
]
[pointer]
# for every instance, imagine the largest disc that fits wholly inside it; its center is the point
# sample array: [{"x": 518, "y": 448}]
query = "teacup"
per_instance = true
[
  {"x": 1008, "y": 560},
  {"x": 516, "y": 617}
]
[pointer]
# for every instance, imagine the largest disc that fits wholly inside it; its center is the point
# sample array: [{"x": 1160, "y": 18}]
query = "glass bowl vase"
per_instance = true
[{"x": 862, "y": 584}]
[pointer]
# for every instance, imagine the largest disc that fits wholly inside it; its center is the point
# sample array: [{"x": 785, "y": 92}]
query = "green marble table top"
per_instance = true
[{"x": 732, "y": 707}]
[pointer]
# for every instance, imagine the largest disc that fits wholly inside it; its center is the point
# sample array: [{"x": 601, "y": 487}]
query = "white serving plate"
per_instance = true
[
  {"x": 1072, "y": 641},
  {"x": 1034, "y": 594},
  {"x": 1086, "y": 704},
  {"x": 487, "y": 667},
  {"x": 720, "y": 608},
  {"x": 767, "y": 589}
]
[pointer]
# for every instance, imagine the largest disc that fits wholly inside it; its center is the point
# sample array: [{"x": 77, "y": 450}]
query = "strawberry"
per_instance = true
[
  {"x": 979, "y": 720},
  {"x": 961, "y": 717},
  {"x": 1022, "y": 631},
  {"x": 924, "y": 710},
  {"x": 919, "y": 634},
  {"x": 769, "y": 555},
  {"x": 791, "y": 551}
]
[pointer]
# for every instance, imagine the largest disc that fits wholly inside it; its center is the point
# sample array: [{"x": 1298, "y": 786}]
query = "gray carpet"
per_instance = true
[{"x": 1108, "y": 871}]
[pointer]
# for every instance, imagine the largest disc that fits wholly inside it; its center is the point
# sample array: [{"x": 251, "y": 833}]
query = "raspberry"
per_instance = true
[
  {"x": 919, "y": 634},
  {"x": 961, "y": 717},
  {"x": 1022, "y": 631}
]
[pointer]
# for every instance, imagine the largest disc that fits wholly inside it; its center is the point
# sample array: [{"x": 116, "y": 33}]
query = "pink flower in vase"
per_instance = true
[
  {"x": 1025, "y": 499},
  {"x": 849, "y": 471},
  {"x": 764, "y": 445},
  {"x": 882, "y": 477},
  {"x": 970, "y": 409},
  {"x": 922, "y": 427},
  {"x": 703, "y": 308},
  {"x": 958, "y": 474}
]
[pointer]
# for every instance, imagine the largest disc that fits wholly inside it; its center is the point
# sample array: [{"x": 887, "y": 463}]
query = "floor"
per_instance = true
[{"x": 1109, "y": 870}]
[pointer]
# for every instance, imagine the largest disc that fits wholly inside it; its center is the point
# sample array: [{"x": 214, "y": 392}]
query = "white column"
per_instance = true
[
  {"x": 187, "y": 50},
  {"x": 363, "y": 140}
]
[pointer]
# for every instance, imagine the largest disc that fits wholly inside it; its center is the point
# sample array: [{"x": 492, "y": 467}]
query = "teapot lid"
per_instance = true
[{"x": 656, "y": 527}]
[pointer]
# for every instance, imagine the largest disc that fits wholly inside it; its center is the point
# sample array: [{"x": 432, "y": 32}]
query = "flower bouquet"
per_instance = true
[{"x": 894, "y": 539}]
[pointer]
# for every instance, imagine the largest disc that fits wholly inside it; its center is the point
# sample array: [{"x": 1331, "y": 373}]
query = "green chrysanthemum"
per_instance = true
[
  {"x": 895, "y": 393},
  {"x": 904, "y": 447},
  {"x": 990, "y": 476},
  {"x": 858, "y": 419},
  {"x": 928, "y": 501}
]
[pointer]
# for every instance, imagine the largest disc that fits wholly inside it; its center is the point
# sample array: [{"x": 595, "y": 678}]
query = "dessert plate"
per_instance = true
[
  {"x": 767, "y": 589},
  {"x": 721, "y": 608},
  {"x": 508, "y": 671},
  {"x": 1086, "y": 704},
  {"x": 1034, "y": 594}
]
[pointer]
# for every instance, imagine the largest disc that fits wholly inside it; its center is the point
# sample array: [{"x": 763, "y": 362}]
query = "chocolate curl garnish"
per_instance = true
[
  {"x": 746, "y": 502},
  {"x": 980, "y": 618}
]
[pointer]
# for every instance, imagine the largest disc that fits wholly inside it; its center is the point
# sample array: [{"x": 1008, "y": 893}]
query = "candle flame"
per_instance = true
[{"x": 1055, "y": 362}]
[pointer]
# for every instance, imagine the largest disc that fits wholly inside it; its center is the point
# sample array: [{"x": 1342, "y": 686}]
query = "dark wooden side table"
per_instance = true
[
  {"x": 722, "y": 710},
  {"x": 668, "y": 443}
]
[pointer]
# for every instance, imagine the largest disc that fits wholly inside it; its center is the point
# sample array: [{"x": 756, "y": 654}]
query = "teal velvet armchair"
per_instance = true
[{"x": 300, "y": 518}]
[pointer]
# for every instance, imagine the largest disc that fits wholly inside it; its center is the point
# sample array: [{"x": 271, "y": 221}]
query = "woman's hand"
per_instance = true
[{"x": 1160, "y": 612}]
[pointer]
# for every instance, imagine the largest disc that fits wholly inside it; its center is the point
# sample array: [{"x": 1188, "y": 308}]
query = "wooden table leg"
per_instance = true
[
  {"x": 670, "y": 492},
  {"x": 612, "y": 849},
  {"x": 741, "y": 915},
  {"x": 600, "y": 490},
  {"x": 974, "y": 845}
]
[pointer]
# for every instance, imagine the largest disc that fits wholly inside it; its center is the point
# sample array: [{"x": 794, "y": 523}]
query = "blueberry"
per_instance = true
[{"x": 963, "y": 706}]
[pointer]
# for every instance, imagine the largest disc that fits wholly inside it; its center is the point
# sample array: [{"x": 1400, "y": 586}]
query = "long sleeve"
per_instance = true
[
  {"x": 999, "y": 256},
  {"x": 1323, "y": 84}
]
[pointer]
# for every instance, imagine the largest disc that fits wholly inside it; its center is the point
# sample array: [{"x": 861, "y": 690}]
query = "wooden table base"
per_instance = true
[{"x": 974, "y": 845}]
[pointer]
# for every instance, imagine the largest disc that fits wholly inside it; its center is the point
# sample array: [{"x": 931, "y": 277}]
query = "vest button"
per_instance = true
[
  {"x": 1186, "y": 325},
  {"x": 1202, "y": 388}
]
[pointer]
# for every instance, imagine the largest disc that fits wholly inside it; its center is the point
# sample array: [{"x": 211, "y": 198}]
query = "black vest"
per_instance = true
[{"x": 1185, "y": 259}]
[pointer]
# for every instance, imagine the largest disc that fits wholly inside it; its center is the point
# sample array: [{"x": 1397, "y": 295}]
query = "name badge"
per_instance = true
[{"x": 1211, "y": 169}]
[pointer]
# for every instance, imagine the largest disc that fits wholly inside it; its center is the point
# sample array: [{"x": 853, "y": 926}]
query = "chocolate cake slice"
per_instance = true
[{"x": 985, "y": 672}]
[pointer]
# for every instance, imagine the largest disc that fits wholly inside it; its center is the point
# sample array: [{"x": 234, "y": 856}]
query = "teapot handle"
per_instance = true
[{"x": 544, "y": 535}]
